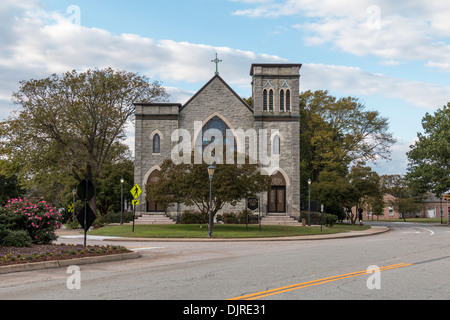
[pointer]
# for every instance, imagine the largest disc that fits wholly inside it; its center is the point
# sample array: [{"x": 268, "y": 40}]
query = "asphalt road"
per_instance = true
[{"x": 409, "y": 262}]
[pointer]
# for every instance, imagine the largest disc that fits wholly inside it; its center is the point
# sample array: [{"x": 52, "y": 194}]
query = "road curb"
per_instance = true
[
  {"x": 65, "y": 263},
  {"x": 352, "y": 234}
]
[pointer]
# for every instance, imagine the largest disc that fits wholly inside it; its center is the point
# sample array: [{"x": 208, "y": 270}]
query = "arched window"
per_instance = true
[
  {"x": 282, "y": 100},
  {"x": 288, "y": 100},
  {"x": 265, "y": 100},
  {"x": 156, "y": 143},
  {"x": 219, "y": 124},
  {"x": 276, "y": 145},
  {"x": 271, "y": 100}
]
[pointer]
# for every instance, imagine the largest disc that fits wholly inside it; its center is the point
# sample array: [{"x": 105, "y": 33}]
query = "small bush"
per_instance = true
[
  {"x": 331, "y": 219},
  {"x": 38, "y": 219},
  {"x": 230, "y": 217},
  {"x": 194, "y": 217},
  {"x": 247, "y": 216},
  {"x": 18, "y": 238},
  {"x": 317, "y": 218}
]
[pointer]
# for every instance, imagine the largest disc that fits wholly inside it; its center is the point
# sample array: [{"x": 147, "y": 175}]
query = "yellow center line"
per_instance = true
[{"x": 297, "y": 286}]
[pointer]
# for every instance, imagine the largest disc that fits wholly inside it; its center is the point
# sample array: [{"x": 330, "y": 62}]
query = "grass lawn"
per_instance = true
[{"x": 220, "y": 231}]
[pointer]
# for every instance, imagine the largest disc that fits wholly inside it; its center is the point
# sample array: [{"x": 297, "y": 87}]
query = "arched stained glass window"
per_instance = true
[
  {"x": 156, "y": 143},
  {"x": 271, "y": 100},
  {"x": 265, "y": 100},
  {"x": 276, "y": 145},
  {"x": 288, "y": 100},
  {"x": 219, "y": 124},
  {"x": 282, "y": 100}
]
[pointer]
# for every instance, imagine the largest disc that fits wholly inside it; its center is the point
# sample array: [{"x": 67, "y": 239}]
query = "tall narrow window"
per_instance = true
[
  {"x": 282, "y": 100},
  {"x": 156, "y": 144},
  {"x": 276, "y": 145},
  {"x": 265, "y": 100},
  {"x": 288, "y": 100},
  {"x": 271, "y": 100}
]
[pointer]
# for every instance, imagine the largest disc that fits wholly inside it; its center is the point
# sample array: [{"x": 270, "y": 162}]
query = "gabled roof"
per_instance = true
[{"x": 226, "y": 85}]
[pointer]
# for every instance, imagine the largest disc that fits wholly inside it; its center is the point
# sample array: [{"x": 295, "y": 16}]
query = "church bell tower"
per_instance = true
[{"x": 275, "y": 99}]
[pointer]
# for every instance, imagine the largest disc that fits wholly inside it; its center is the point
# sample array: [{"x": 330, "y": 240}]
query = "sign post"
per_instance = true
[
  {"x": 86, "y": 190},
  {"x": 135, "y": 192},
  {"x": 253, "y": 204}
]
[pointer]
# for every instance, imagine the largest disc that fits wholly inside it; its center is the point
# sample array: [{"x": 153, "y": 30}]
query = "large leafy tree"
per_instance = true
[
  {"x": 109, "y": 186},
  {"x": 367, "y": 185},
  {"x": 336, "y": 132},
  {"x": 73, "y": 124},
  {"x": 189, "y": 184},
  {"x": 335, "y": 192},
  {"x": 429, "y": 157}
]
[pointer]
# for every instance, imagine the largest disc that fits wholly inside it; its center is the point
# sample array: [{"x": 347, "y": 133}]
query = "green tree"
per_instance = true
[
  {"x": 189, "y": 184},
  {"x": 407, "y": 207},
  {"x": 367, "y": 185},
  {"x": 429, "y": 157},
  {"x": 336, "y": 132},
  {"x": 73, "y": 124},
  {"x": 109, "y": 186},
  {"x": 334, "y": 192}
]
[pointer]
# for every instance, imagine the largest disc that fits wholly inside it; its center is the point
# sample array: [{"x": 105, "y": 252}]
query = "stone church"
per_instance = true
[{"x": 275, "y": 107}]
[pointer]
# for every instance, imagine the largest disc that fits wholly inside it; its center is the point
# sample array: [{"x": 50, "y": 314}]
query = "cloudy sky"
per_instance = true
[{"x": 393, "y": 55}]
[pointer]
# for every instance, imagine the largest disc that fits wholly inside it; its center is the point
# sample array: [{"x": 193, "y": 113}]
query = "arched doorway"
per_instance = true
[
  {"x": 152, "y": 206},
  {"x": 277, "y": 194}
]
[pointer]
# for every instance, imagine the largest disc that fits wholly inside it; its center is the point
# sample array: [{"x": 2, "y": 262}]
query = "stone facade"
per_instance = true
[{"x": 275, "y": 94}]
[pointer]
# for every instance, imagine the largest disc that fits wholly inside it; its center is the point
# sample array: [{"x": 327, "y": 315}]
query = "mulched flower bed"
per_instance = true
[{"x": 39, "y": 253}]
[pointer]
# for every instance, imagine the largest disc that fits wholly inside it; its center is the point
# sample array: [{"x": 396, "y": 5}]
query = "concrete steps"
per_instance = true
[
  {"x": 153, "y": 219},
  {"x": 279, "y": 220}
]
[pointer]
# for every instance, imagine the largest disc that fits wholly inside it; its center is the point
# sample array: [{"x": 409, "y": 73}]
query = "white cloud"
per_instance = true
[
  {"x": 391, "y": 30},
  {"x": 358, "y": 82},
  {"x": 399, "y": 159},
  {"x": 36, "y": 43}
]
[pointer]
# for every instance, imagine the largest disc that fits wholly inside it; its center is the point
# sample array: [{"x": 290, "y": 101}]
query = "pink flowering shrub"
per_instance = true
[{"x": 38, "y": 218}]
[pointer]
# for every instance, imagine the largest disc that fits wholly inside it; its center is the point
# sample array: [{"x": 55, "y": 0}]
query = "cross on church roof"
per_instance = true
[{"x": 217, "y": 61}]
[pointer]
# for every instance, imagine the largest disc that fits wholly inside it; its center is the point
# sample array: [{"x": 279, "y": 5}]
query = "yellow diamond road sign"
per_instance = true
[
  {"x": 135, "y": 202},
  {"x": 136, "y": 191}
]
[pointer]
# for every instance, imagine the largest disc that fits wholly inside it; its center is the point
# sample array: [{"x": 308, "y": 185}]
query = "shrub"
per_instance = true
[
  {"x": 230, "y": 217},
  {"x": 317, "y": 218},
  {"x": 17, "y": 238},
  {"x": 331, "y": 219},
  {"x": 39, "y": 219},
  {"x": 113, "y": 217},
  {"x": 194, "y": 217},
  {"x": 247, "y": 216}
]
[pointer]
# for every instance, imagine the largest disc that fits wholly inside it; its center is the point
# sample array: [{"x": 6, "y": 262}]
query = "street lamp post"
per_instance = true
[
  {"x": 309, "y": 202},
  {"x": 74, "y": 192},
  {"x": 121, "y": 201},
  {"x": 211, "y": 174}
]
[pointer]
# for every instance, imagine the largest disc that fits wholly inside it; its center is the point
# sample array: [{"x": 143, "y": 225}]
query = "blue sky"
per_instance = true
[{"x": 394, "y": 56}]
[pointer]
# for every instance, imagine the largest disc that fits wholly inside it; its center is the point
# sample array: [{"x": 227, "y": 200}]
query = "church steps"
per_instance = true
[
  {"x": 277, "y": 220},
  {"x": 153, "y": 219}
]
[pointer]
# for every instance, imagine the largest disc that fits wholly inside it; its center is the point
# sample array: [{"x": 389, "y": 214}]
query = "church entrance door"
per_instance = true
[
  {"x": 277, "y": 194},
  {"x": 152, "y": 206},
  {"x": 277, "y": 200}
]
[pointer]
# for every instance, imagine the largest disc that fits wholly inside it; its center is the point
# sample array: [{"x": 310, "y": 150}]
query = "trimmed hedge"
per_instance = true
[
  {"x": 317, "y": 218},
  {"x": 194, "y": 217}
]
